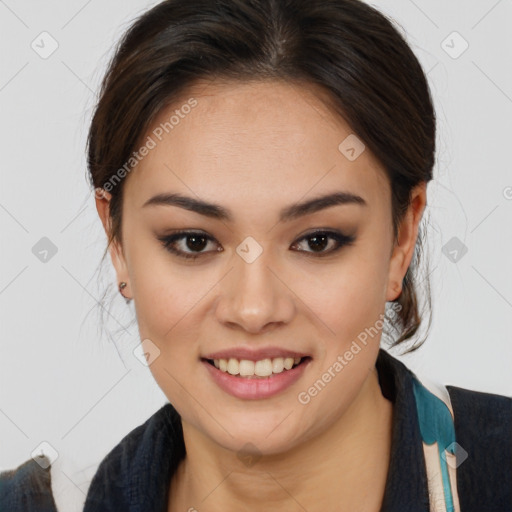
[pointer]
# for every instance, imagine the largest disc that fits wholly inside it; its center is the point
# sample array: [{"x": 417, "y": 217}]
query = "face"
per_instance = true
[{"x": 255, "y": 276}]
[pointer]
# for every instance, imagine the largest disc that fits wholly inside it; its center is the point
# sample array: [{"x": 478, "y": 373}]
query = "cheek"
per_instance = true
[
  {"x": 348, "y": 297},
  {"x": 167, "y": 308},
  {"x": 164, "y": 291}
]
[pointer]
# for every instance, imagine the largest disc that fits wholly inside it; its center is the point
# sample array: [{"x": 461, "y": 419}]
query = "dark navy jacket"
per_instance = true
[{"x": 135, "y": 475}]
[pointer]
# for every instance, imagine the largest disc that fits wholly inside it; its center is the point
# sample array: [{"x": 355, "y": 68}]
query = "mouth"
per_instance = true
[
  {"x": 256, "y": 380},
  {"x": 260, "y": 369}
]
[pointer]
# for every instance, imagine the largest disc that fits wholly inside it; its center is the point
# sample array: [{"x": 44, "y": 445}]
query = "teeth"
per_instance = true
[
  {"x": 233, "y": 367},
  {"x": 278, "y": 365},
  {"x": 262, "y": 368},
  {"x": 246, "y": 367}
]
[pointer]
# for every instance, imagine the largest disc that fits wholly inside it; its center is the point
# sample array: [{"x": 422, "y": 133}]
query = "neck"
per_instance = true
[{"x": 343, "y": 464}]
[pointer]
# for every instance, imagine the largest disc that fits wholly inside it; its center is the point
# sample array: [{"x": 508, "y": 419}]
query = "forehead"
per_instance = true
[{"x": 263, "y": 137}]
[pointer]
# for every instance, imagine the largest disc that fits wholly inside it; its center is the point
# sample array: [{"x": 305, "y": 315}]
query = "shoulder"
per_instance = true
[
  {"x": 474, "y": 403},
  {"x": 483, "y": 428},
  {"x": 28, "y": 487},
  {"x": 134, "y": 444},
  {"x": 482, "y": 417}
]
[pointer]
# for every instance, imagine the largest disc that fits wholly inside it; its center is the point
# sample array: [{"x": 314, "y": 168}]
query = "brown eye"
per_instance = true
[
  {"x": 196, "y": 242},
  {"x": 319, "y": 240},
  {"x": 187, "y": 244}
]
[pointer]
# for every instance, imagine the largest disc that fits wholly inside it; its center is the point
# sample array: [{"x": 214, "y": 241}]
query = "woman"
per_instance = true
[{"x": 260, "y": 169}]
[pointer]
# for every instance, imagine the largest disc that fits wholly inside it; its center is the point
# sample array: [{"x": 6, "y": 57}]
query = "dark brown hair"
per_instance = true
[{"x": 349, "y": 49}]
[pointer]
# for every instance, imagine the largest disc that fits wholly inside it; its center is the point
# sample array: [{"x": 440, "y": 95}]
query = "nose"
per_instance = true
[{"x": 255, "y": 296}]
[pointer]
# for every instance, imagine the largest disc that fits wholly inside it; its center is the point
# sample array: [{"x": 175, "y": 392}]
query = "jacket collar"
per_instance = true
[{"x": 406, "y": 485}]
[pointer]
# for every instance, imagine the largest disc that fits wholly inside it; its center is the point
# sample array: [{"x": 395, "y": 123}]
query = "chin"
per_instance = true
[{"x": 256, "y": 433}]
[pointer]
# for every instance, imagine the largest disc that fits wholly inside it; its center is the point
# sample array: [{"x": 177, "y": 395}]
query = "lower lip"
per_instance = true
[{"x": 256, "y": 388}]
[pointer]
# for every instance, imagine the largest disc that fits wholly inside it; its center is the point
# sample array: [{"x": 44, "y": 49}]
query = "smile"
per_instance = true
[
  {"x": 253, "y": 380},
  {"x": 262, "y": 368}
]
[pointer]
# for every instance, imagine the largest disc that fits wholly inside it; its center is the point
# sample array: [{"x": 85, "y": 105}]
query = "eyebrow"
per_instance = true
[{"x": 291, "y": 212}]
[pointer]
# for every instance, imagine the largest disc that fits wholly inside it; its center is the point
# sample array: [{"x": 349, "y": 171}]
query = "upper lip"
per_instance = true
[{"x": 254, "y": 354}]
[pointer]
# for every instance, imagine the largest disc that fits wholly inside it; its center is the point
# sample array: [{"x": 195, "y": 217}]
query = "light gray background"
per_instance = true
[{"x": 62, "y": 380}]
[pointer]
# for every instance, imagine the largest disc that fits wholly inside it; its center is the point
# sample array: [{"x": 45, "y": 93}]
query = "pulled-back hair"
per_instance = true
[{"x": 352, "y": 51}]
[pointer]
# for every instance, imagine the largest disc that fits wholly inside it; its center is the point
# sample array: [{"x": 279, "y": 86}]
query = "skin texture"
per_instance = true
[{"x": 255, "y": 149}]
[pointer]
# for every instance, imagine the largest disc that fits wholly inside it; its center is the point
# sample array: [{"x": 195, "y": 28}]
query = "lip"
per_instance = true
[
  {"x": 254, "y": 355},
  {"x": 255, "y": 388}
]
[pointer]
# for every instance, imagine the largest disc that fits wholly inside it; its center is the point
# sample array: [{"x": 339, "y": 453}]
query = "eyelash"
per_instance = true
[{"x": 341, "y": 239}]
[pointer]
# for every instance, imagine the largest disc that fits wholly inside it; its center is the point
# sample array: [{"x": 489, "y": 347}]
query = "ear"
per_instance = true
[
  {"x": 116, "y": 252},
  {"x": 407, "y": 236}
]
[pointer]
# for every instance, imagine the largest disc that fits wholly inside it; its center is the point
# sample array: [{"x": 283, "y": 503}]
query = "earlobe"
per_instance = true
[{"x": 394, "y": 289}]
